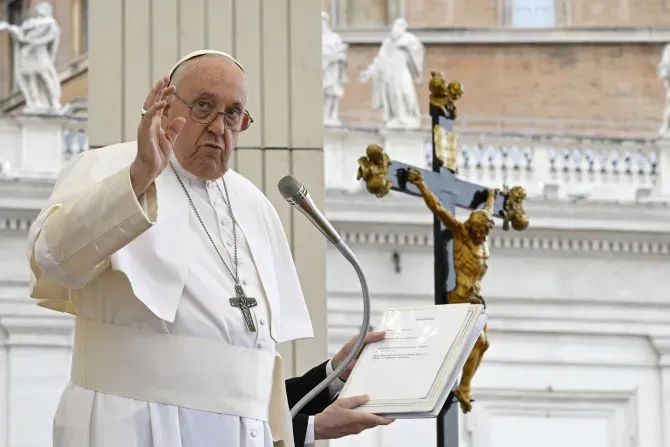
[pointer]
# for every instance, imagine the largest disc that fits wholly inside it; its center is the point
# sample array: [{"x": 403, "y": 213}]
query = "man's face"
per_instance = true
[
  {"x": 205, "y": 150},
  {"x": 480, "y": 226}
]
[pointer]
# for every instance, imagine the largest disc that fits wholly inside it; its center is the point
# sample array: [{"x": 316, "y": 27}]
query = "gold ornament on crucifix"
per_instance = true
[
  {"x": 373, "y": 169},
  {"x": 444, "y": 97}
]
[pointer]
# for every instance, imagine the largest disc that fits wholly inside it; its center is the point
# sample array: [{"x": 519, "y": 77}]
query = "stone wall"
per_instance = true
[{"x": 610, "y": 82}]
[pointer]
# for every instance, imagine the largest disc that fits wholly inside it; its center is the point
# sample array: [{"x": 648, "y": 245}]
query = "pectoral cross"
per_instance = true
[{"x": 244, "y": 303}]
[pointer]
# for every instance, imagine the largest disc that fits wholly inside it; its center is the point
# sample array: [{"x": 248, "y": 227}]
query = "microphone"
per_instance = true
[{"x": 296, "y": 194}]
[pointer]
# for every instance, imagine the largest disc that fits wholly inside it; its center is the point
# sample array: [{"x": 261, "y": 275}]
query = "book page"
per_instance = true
[{"x": 406, "y": 363}]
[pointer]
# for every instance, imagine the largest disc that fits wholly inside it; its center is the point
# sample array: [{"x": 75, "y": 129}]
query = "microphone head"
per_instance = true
[{"x": 291, "y": 189}]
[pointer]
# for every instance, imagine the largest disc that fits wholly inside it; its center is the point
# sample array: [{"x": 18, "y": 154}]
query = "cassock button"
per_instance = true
[
  {"x": 210, "y": 184},
  {"x": 262, "y": 321},
  {"x": 245, "y": 282},
  {"x": 230, "y": 244},
  {"x": 253, "y": 433},
  {"x": 260, "y": 346}
]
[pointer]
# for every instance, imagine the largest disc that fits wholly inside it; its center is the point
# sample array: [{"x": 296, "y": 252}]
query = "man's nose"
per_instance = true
[{"x": 218, "y": 126}]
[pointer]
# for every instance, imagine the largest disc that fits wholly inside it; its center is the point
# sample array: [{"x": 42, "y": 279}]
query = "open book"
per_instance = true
[{"x": 411, "y": 372}]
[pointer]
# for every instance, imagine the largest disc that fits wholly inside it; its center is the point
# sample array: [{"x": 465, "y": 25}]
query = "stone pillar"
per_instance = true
[
  {"x": 34, "y": 369},
  {"x": 662, "y": 345},
  {"x": 132, "y": 44}
]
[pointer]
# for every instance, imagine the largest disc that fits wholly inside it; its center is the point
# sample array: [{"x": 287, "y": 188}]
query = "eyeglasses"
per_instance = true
[{"x": 204, "y": 112}]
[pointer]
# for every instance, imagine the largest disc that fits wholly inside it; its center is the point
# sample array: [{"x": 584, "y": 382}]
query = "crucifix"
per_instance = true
[
  {"x": 244, "y": 303},
  {"x": 460, "y": 249}
]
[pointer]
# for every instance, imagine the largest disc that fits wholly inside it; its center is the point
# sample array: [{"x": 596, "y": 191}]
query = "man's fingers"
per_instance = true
[
  {"x": 384, "y": 421},
  {"x": 154, "y": 94},
  {"x": 372, "y": 337},
  {"x": 172, "y": 132},
  {"x": 155, "y": 110},
  {"x": 372, "y": 420},
  {"x": 167, "y": 91},
  {"x": 352, "y": 402},
  {"x": 151, "y": 121}
]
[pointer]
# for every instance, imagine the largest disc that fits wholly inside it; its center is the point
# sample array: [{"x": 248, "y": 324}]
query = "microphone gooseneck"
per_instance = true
[{"x": 296, "y": 194}]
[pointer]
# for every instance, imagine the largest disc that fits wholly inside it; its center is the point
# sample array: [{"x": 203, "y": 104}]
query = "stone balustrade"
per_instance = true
[
  {"x": 562, "y": 167},
  {"x": 550, "y": 165},
  {"x": 38, "y": 145}
]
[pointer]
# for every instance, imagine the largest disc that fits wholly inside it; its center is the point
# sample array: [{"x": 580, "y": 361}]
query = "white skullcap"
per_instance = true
[{"x": 199, "y": 53}]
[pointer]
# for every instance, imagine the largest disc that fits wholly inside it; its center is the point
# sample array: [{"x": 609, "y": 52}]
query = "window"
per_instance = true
[
  {"x": 533, "y": 13},
  {"x": 366, "y": 14}
]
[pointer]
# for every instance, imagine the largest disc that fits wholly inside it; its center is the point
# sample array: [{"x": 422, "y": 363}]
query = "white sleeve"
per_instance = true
[{"x": 309, "y": 436}]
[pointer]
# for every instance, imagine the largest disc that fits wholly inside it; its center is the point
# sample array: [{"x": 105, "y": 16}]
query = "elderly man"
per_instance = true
[{"x": 182, "y": 281}]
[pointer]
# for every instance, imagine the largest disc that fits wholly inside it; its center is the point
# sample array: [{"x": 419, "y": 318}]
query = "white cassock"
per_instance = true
[{"x": 161, "y": 359}]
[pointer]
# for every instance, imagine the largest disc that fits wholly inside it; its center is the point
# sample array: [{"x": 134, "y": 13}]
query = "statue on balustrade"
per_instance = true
[
  {"x": 394, "y": 72},
  {"x": 334, "y": 65},
  {"x": 35, "y": 45}
]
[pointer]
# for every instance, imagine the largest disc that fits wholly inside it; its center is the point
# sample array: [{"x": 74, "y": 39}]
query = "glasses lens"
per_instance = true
[
  {"x": 201, "y": 115},
  {"x": 245, "y": 121},
  {"x": 238, "y": 123}
]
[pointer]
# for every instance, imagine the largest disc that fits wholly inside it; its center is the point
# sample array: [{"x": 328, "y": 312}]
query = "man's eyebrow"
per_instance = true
[{"x": 207, "y": 95}]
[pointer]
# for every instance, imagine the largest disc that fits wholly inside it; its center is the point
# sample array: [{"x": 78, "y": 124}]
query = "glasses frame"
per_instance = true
[{"x": 190, "y": 106}]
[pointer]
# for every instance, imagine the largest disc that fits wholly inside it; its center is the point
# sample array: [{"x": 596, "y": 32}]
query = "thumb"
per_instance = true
[
  {"x": 174, "y": 128},
  {"x": 353, "y": 402}
]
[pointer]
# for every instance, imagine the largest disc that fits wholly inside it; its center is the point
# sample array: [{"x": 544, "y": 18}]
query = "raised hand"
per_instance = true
[
  {"x": 414, "y": 176},
  {"x": 340, "y": 419},
  {"x": 154, "y": 144}
]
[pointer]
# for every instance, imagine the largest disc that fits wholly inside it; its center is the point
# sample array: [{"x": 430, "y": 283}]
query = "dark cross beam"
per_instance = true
[{"x": 453, "y": 193}]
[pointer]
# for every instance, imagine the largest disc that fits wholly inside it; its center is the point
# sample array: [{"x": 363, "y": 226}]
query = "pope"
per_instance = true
[{"x": 182, "y": 283}]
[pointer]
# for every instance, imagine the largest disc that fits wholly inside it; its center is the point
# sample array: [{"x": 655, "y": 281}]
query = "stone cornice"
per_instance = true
[
  {"x": 395, "y": 211},
  {"x": 503, "y": 36},
  {"x": 558, "y": 243},
  {"x": 662, "y": 346}
]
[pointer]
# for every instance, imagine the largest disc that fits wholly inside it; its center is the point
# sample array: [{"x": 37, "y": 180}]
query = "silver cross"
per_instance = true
[{"x": 244, "y": 303}]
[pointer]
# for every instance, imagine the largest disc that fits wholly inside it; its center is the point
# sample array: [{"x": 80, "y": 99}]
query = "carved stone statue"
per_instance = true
[
  {"x": 471, "y": 253},
  {"x": 664, "y": 74},
  {"x": 35, "y": 45},
  {"x": 334, "y": 65},
  {"x": 394, "y": 73}
]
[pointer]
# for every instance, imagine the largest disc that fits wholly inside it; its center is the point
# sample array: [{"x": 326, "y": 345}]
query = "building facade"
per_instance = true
[{"x": 561, "y": 96}]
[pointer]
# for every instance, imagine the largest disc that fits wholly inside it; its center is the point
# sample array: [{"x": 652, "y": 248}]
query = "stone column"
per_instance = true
[
  {"x": 34, "y": 368},
  {"x": 132, "y": 44},
  {"x": 662, "y": 345}
]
